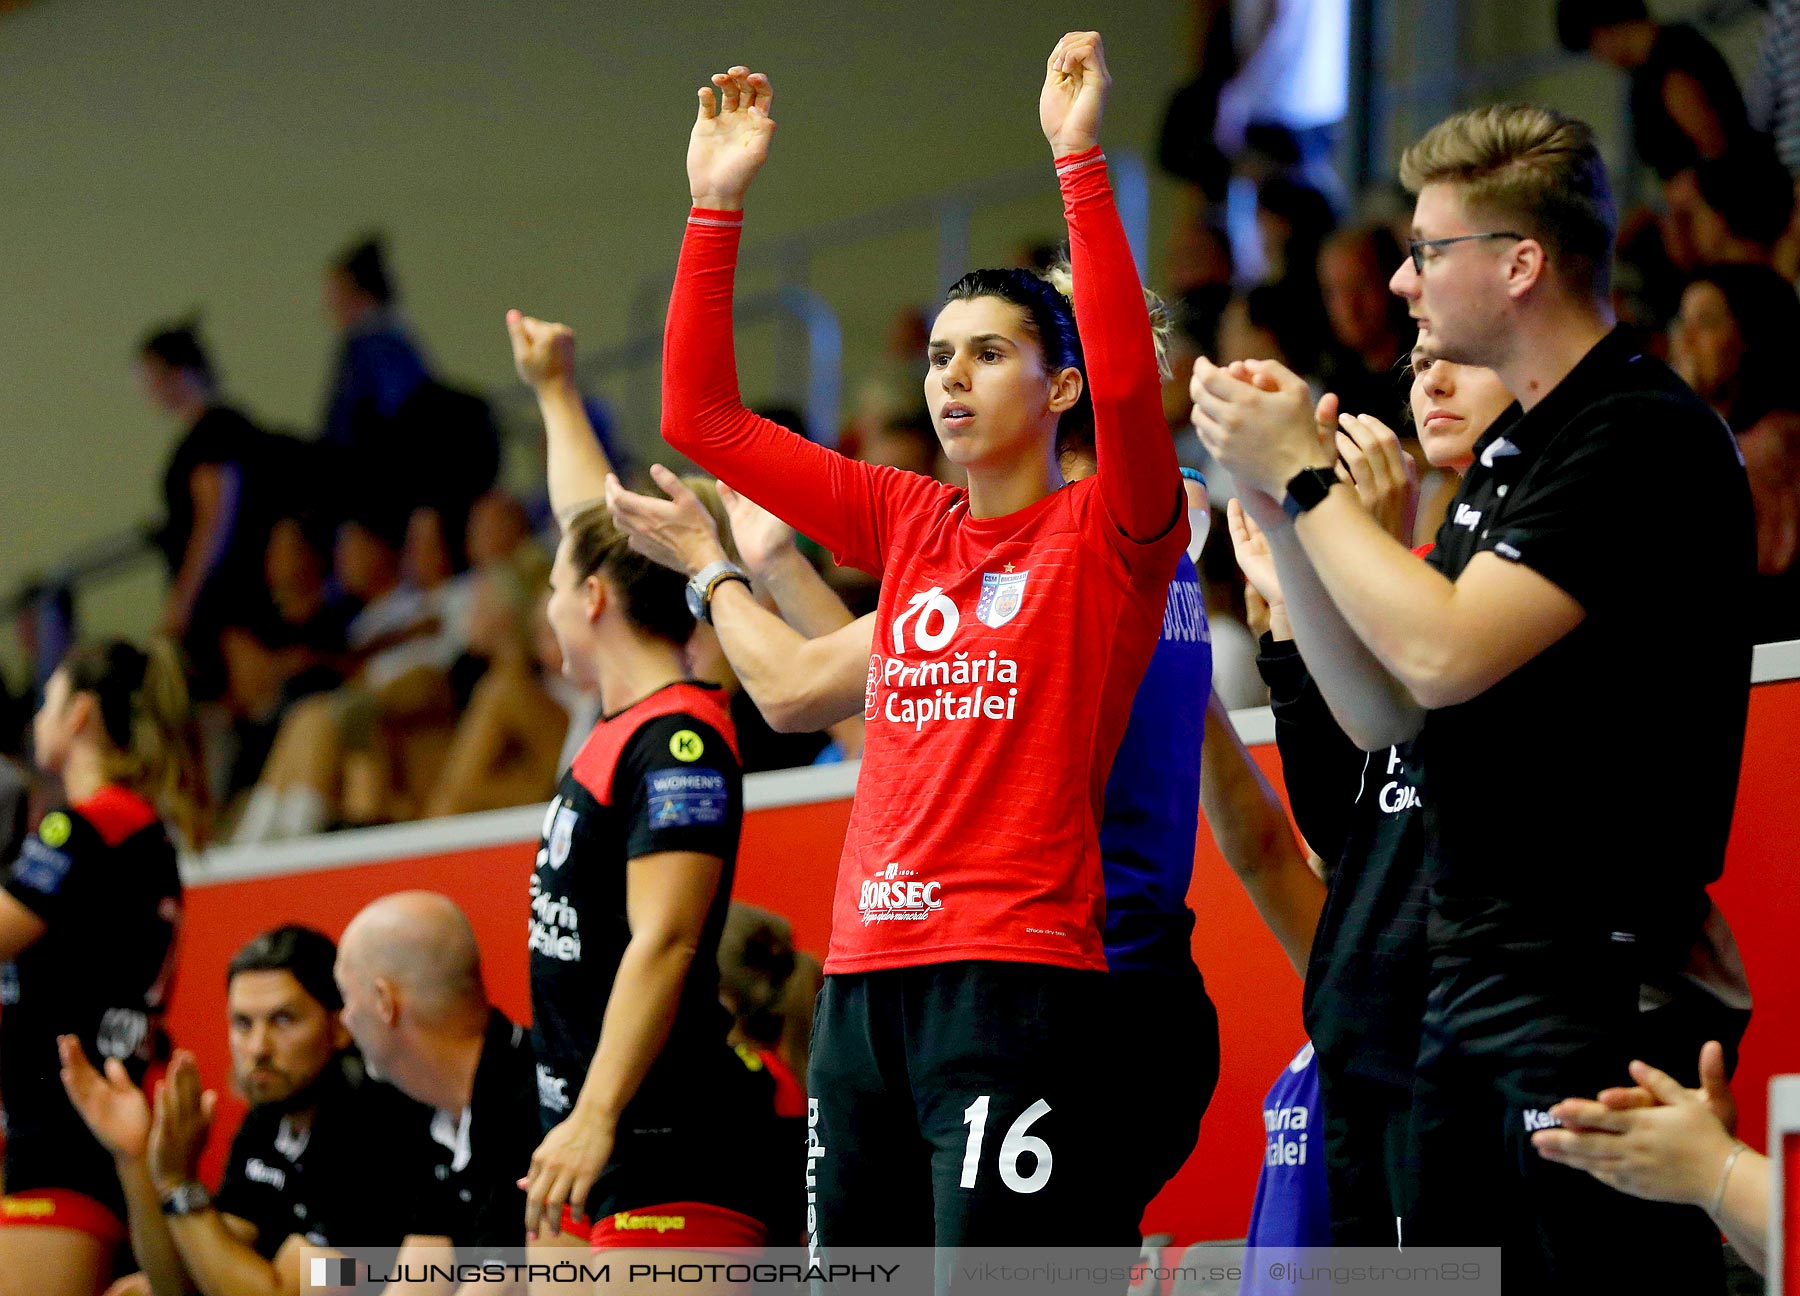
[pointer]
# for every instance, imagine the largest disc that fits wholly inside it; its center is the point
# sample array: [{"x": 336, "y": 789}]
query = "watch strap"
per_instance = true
[
  {"x": 709, "y": 578},
  {"x": 1306, "y": 489},
  {"x": 188, "y": 1198}
]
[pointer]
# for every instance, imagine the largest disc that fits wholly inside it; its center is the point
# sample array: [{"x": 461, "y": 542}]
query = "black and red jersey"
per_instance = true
[
  {"x": 102, "y": 876},
  {"x": 662, "y": 775}
]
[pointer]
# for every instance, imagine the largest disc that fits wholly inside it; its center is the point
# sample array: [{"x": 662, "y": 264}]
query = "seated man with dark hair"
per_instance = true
[{"x": 300, "y": 1173}]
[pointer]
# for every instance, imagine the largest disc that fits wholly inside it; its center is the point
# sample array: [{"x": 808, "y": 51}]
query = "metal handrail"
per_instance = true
[{"x": 790, "y": 303}]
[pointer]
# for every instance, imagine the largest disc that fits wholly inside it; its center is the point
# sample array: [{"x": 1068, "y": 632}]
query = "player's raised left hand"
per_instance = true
[{"x": 1074, "y": 95}]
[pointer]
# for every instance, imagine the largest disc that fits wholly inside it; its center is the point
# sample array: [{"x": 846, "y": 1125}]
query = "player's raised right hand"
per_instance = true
[
  {"x": 731, "y": 138},
  {"x": 543, "y": 353}
]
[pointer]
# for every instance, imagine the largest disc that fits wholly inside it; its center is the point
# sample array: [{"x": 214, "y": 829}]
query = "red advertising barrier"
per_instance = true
[{"x": 792, "y": 836}]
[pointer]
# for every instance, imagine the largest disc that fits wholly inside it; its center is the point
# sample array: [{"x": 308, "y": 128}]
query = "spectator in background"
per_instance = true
[
  {"x": 297, "y": 649},
  {"x": 901, "y": 438},
  {"x": 1370, "y": 328},
  {"x": 506, "y": 743},
  {"x": 1293, "y": 221},
  {"x": 1735, "y": 343},
  {"x": 1272, "y": 321},
  {"x": 1685, "y": 106},
  {"x": 219, "y": 496},
  {"x": 298, "y": 791},
  {"x": 1773, "y": 95},
  {"x": 1745, "y": 205},
  {"x": 1293, "y": 74},
  {"x": 499, "y": 526},
  {"x": 379, "y": 363},
  {"x": 398, "y": 723},
  {"x": 1186, "y": 148}
]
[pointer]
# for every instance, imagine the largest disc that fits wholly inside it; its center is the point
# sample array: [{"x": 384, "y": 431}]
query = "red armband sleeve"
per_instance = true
[
  {"x": 837, "y": 501},
  {"x": 1140, "y": 479}
]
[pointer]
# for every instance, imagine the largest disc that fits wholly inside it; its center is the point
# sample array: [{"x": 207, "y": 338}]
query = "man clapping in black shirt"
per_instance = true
[
  {"x": 1576, "y": 808},
  {"x": 303, "y": 1170}
]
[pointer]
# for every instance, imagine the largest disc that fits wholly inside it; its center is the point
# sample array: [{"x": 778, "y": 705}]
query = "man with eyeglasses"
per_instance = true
[{"x": 1573, "y": 822}]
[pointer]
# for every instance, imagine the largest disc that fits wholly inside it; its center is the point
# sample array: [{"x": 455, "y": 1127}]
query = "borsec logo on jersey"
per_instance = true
[{"x": 1001, "y": 595}]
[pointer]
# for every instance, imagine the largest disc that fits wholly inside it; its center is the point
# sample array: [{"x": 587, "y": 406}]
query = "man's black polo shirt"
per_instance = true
[
  {"x": 346, "y": 1178},
  {"x": 1588, "y": 796},
  {"x": 485, "y": 1150}
]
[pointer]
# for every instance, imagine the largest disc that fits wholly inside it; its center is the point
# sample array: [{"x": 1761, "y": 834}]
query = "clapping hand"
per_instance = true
[
  {"x": 677, "y": 532},
  {"x": 181, "y": 1117},
  {"x": 113, "y": 1108},
  {"x": 760, "y": 536},
  {"x": 1385, "y": 480},
  {"x": 1659, "y": 1141}
]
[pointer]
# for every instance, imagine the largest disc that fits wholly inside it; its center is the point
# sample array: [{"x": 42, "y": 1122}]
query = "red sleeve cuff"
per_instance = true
[
  {"x": 708, "y": 216},
  {"x": 1080, "y": 159}
]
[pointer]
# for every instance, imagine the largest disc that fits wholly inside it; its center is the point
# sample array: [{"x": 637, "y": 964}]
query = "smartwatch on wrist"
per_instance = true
[
  {"x": 1306, "y": 488},
  {"x": 188, "y": 1198},
  {"x": 706, "y": 580}
]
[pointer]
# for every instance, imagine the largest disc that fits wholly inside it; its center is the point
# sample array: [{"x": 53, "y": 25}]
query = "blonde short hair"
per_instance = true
[{"x": 1531, "y": 168}]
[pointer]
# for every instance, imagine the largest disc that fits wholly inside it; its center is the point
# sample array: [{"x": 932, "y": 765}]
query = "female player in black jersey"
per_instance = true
[
  {"x": 654, "y": 1128},
  {"x": 89, "y": 915}
]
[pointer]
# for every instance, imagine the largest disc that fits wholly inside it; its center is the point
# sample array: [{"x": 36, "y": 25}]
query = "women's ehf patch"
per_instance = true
[{"x": 690, "y": 797}]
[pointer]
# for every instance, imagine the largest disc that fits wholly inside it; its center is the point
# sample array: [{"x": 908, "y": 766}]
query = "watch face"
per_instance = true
[{"x": 696, "y": 604}]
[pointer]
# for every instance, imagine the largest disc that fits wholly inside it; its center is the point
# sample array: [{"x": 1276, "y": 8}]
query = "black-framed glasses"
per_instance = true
[{"x": 1417, "y": 246}]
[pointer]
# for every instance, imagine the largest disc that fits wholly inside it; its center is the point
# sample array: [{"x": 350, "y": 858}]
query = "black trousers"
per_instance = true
[{"x": 1507, "y": 1034}]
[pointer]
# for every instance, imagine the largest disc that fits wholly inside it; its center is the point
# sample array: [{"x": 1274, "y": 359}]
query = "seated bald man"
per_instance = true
[{"x": 409, "y": 970}]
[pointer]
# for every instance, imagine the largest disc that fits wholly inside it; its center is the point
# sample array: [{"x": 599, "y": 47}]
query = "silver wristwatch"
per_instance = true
[
  {"x": 188, "y": 1198},
  {"x": 706, "y": 580}
]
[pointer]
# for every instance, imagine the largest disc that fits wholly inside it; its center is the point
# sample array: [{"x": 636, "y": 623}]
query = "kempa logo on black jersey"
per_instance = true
[
  {"x": 1467, "y": 517},
  {"x": 887, "y": 897}
]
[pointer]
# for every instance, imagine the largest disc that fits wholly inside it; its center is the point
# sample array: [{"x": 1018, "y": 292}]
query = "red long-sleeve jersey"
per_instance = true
[{"x": 1007, "y": 649}]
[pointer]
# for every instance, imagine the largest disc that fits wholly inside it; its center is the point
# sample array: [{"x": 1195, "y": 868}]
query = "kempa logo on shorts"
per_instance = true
[
  {"x": 1540, "y": 1120},
  {"x": 887, "y": 897},
  {"x": 625, "y": 1221},
  {"x": 26, "y": 1207}
]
